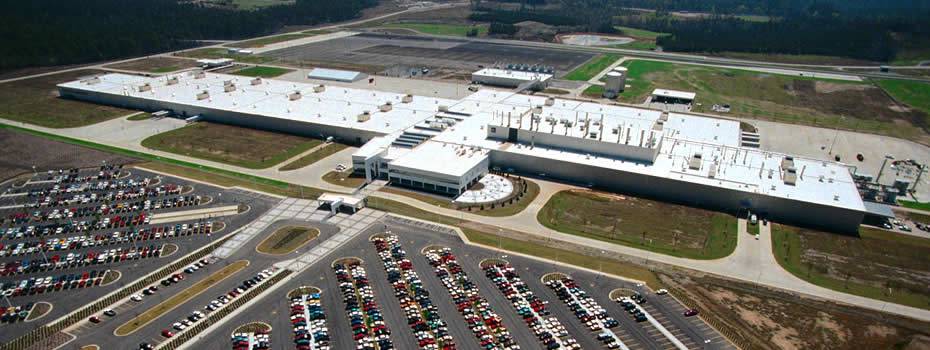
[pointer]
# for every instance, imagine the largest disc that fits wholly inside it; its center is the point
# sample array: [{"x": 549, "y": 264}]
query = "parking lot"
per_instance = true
[
  {"x": 381, "y": 258},
  {"x": 71, "y": 237},
  {"x": 385, "y": 51}
]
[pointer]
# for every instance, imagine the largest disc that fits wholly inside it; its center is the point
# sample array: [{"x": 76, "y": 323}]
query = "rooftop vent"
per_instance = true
[
  {"x": 294, "y": 96},
  {"x": 319, "y": 88},
  {"x": 256, "y": 81},
  {"x": 200, "y": 75},
  {"x": 145, "y": 87},
  {"x": 203, "y": 95},
  {"x": 387, "y": 107},
  {"x": 550, "y": 101},
  {"x": 364, "y": 117},
  {"x": 407, "y": 98},
  {"x": 443, "y": 108},
  {"x": 172, "y": 81},
  {"x": 229, "y": 87}
]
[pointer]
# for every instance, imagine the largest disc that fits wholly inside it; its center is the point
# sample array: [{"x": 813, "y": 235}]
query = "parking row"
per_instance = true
[
  {"x": 74, "y": 260},
  {"x": 214, "y": 304},
  {"x": 13, "y": 314},
  {"x": 258, "y": 340},
  {"x": 134, "y": 235},
  {"x": 588, "y": 311},
  {"x": 73, "y": 175},
  {"x": 40, "y": 285},
  {"x": 25, "y": 217},
  {"x": 309, "y": 322},
  {"x": 530, "y": 307},
  {"x": 485, "y": 324},
  {"x": 369, "y": 329},
  {"x": 422, "y": 315},
  {"x": 135, "y": 190},
  {"x": 37, "y": 191}
]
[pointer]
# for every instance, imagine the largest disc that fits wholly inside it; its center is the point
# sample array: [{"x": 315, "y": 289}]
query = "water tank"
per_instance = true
[{"x": 614, "y": 84}]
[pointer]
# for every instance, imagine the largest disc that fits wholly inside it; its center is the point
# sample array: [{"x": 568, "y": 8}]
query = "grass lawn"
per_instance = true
[
  {"x": 140, "y": 116},
  {"x": 639, "y": 33},
  {"x": 262, "y": 71},
  {"x": 592, "y": 67},
  {"x": 490, "y": 238},
  {"x": 532, "y": 190},
  {"x": 787, "y": 99},
  {"x": 245, "y": 147},
  {"x": 36, "y": 101},
  {"x": 230, "y": 179},
  {"x": 256, "y": 4},
  {"x": 595, "y": 91},
  {"x": 913, "y": 93},
  {"x": 637, "y": 45},
  {"x": 314, "y": 156},
  {"x": 260, "y": 42},
  {"x": 287, "y": 239},
  {"x": 179, "y": 298},
  {"x": 878, "y": 264},
  {"x": 345, "y": 178},
  {"x": 253, "y": 327},
  {"x": 157, "y": 64},
  {"x": 661, "y": 227},
  {"x": 753, "y": 229},
  {"x": 915, "y": 205},
  {"x": 219, "y": 52},
  {"x": 441, "y": 29}
]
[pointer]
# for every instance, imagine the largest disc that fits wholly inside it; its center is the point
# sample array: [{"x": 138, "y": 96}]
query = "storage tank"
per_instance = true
[{"x": 614, "y": 84}]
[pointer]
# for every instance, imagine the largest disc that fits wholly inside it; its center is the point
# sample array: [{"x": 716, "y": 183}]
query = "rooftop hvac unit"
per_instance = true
[
  {"x": 203, "y": 95},
  {"x": 256, "y": 81},
  {"x": 227, "y": 82},
  {"x": 172, "y": 81},
  {"x": 200, "y": 75},
  {"x": 364, "y": 117},
  {"x": 407, "y": 98},
  {"x": 713, "y": 171},
  {"x": 593, "y": 135},
  {"x": 537, "y": 110},
  {"x": 787, "y": 162},
  {"x": 294, "y": 96},
  {"x": 443, "y": 108},
  {"x": 550, "y": 101},
  {"x": 319, "y": 88},
  {"x": 615, "y": 131},
  {"x": 386, "y": 107},
  {"x": 145, "y": 87},
  {"x": 229, "y": 88},
  {"x": 695, "y": 162}
]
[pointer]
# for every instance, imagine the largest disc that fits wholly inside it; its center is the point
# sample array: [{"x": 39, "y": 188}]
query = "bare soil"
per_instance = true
[
  {"x": 158, "y": 64},
  {"x": 47, "y": 155}
]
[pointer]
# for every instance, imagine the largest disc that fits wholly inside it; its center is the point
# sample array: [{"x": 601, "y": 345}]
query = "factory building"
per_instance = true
[
  {"x": 446, "y": 146},
  {"x": 511, "y": 78}
]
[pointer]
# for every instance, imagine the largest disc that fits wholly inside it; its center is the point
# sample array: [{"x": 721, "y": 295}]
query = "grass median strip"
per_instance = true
[
  {"x": 314, "y": 156},
  {"x": 179, "y": 298},
  {"x": 590, "y": 69}
]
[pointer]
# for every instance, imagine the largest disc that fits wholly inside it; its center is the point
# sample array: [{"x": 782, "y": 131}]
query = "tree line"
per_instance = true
[{"x": 53, "y": 32}]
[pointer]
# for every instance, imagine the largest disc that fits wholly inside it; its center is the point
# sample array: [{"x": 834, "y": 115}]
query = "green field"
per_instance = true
[
  {"x": 639, "y": 33},
  {"x": 915, "y": 205},
  {"x": 878, "y": 264},
  {"x": 260, "y": 42},
  {"x": 595, "y": 91},
  {"x": 244, "y": 147},
  {"x": 314, "y": 156},
  {"x": 262, "y": 71},
  {"x": 592, "y": 67},
  {"x": 441, "y": 29},
  {"x": 36, "y": 101},
  {"x": 156, "y": 64},
  {"x": 256, "y": 4},
  {"x": 344, "y": 178},
  {"x": 913, "y": 93},
  {"x": 637, "y": 45},
  {"x": 661, "y": 227},
  {"x": 287, "y": 239},
  {"x": 140, "y": 116},
  {"x": 846, "y": 105}
]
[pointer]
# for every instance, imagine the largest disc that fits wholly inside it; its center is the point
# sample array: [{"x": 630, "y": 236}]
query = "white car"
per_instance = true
[
  {"x": 662, "y": 291},
  {"x": 136, "y": 297}
]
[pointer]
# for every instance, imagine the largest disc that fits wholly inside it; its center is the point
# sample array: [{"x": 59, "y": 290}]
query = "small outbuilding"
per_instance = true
[
  {"x": 673, "y": 96},
  {"x": 346, "y": 76}
]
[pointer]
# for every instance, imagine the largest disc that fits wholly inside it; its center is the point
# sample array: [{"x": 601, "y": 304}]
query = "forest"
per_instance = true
[
  {"x": 54, "y": 32},
  {"x": 867, "y": 30}
]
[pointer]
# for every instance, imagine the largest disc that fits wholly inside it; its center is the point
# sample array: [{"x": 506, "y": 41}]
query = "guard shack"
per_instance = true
[{"x": 341, "y": 202}]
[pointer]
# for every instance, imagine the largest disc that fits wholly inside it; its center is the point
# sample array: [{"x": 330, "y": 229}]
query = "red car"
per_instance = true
[
  {"x": 690, "y": 312},
  {"x": 166, "y": 333}
]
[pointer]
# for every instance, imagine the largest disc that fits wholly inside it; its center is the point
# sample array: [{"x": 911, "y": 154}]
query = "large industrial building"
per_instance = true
[{"x": 445, "y": 146}]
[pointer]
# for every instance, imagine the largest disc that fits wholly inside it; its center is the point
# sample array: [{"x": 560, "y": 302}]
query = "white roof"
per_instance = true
[
  {"x": 334, "y": 74},
  {"x": 336, "y": 106},
  {"x": 674, "y": 94},
  {"x": 512, "y": 74},
  {"x": 336, "y": 197},
  {"x": 441, "y": 158}
]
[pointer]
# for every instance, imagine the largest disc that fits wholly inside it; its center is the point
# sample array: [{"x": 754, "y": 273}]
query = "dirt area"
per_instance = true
[
  {"x": 245, "y": 147},
  {"x": 855, "y": 100},
  {"x": 46, "y": 155},
  {"x": 158, "y": 64},
  {"x": 36, "y": 101},
  {"x": 668, "y": 228},
  {"x": 762, "y": 318}
]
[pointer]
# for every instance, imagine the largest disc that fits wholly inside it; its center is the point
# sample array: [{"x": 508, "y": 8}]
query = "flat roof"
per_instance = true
[
  {"x": 512, "y": 74},
  {"x": 674, "y": 94},
  {"x": 334, "y": 74},
  {"x": 336, "y": 106},
  {"x": 442, "y": 158}
]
